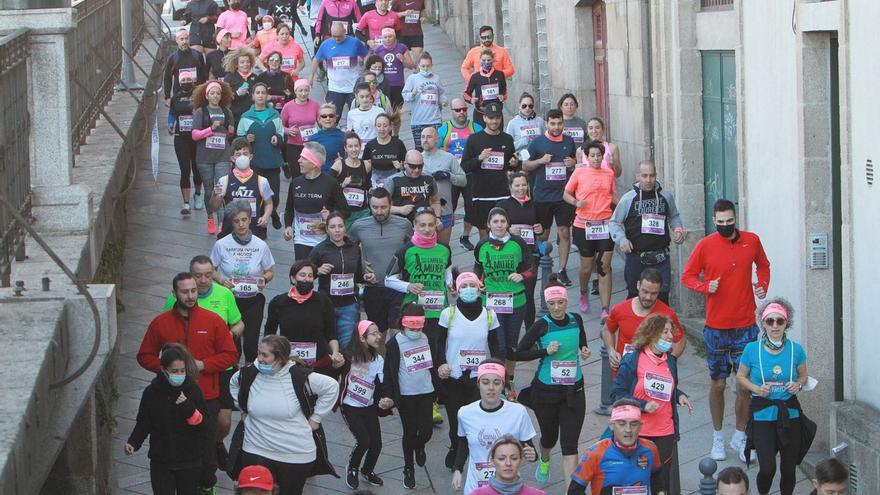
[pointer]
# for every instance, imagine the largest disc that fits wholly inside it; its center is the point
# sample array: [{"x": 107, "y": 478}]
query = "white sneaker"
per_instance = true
[
  {"x": 739, "y": 446},
  {"x": 718, "y": 451}
]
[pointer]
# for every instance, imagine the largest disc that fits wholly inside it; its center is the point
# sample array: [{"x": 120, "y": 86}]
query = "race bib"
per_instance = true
[
  {"x": 563, "y": 372},
  {"x": 417, "y": 358},
  {"x": 485, "y": 472},
  {"x": 360, "y": 390},
  {"x": 495, "y": 161},
  {"x": 428, "y": 98},
  {"x": 341, "y": 284},
  {"x": 500, "y": 302},
  {"x": 287, "y": 63},
  {"x": 186, "y": 123},
  {"x": 305, "y": 224},
  {"x": 307, "y": 351},
  {"x": 489, "y": 91},
  {"x": 629, "y": 490},
  {"x": 628, "y": 348},
  {"x": 431, "y": 300},
  {"x": 576, "y": 133},
  {"x": 555, "y": 171},
  {"x": 530, "y": 131},
  {"x": 216, "y": 142},
  {"x": 653, "y": 224},
  {"x": 775, "y": 387},
  {"x": 527, "y": 232},
  {"x": 245, "y": 287},
  {"x": 597, "y": 231},
  {"x": 252, "y": 202},
  {"x": 307, "y": 131},
  {"x": 341, "y": 62},
  {"x": 354, "y": 196},
  {"x": 413, "y": 18},
  {"x": 470, "y": 359},
  {"x": 189, "y": 72},
  {"x": 658, "y": 387}
]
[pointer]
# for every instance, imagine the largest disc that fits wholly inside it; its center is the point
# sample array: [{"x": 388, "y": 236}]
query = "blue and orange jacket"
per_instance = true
[{"x": 605, "y": 466}]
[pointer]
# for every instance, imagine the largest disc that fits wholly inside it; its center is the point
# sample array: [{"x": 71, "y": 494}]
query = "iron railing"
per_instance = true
[
  {"x": 716, "y": 4},
  {"x": 95, "y": 57},
  {"x": 15, "y": 160}
]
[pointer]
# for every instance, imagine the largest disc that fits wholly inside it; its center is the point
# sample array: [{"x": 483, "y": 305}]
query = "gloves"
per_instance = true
[{"x": 440, "y": 175}]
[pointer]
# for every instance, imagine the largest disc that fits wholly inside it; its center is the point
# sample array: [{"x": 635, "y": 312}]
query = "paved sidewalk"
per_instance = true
[{"x": 160, "y": 243}]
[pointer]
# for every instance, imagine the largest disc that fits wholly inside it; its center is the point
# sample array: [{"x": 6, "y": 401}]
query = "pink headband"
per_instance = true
[
  {"x": 363, "y": 326},
  {"x": 555, "y": 292},
  {"x": 268, "y": 17},
  {"x": 222, "y": 33},
  {"x": 491, "y": 369},
  {"x": 300, "y": 83},
  {"x": 413, "y": 321},
  {"x": 181, "y": 32},
  {"x": 211, "y": 85},
  {"x": 626, "y": 413},
  {"x": 388, "y": 31},
  {"x": 774, "y": 308},
  {"x": 467, "y": 277},
  {"x": 311, "y": 157}
]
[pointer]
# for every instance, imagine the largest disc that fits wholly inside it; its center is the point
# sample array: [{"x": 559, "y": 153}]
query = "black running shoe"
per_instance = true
[
  {"x": 594, "y": 290},
  {"x": 372, "y": 479},
  {"x": 563, "y": 278},
  {"x": 466, "y": 243},
  {"x": 409, "y": 478},
  {"x": 421, "y": 456},
  {"x": 351, "y": 478}
]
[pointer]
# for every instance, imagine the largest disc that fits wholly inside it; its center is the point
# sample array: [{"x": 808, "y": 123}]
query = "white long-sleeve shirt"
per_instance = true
[{"x": 275, "y": 426}]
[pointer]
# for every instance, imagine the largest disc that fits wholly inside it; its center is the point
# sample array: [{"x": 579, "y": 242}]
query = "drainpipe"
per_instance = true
[
  {"x": 649, "y": 51},
  {"x": 543, "y": 55}
]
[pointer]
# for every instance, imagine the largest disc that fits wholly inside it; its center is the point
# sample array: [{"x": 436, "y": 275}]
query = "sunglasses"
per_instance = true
[
  {"x": 460, "y": 109},
  {"x": 415, "y": 165},
  {"x": 327, "y": 115},
  {"x": 527, "y": 106},
  {"x": 774, "y": 321},
  {"x": 488, "y": 37}
]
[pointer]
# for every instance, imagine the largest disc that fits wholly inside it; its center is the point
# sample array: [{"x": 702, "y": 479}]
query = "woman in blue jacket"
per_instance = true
[
  {"x": 262, "y": 127},
  {"x": 650, "y": 376}
]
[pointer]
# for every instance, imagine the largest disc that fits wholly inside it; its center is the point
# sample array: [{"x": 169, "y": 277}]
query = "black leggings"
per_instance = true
[
  {"x": 273, "y": 175},
  {"x": 417, "y": 420},
  {"x": 666, "y": 447},
  {"x": 530, "y": 284},
  {"x": 458, "y": 393},
  {"x": 290, "y": 478},
  {"x": 363, "y": 422},
  {"x": 251, "y": 309},
  {"x": 767, "y": 444},
  {"x": 167, "y": 481},
  {"x": 209, "y": 445},
  {"x": 560, "y": 415},
  {"x": 185, "y": 149}
]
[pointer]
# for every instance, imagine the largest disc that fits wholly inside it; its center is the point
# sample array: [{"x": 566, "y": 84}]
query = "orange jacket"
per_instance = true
[{"x": 472, "y": 61}]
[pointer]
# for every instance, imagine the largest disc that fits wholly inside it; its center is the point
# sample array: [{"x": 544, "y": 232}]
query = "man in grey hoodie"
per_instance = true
[{"x": 643, "y": 224}]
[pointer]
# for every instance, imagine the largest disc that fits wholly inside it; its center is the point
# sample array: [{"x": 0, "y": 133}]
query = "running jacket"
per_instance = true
[{"x": 605, "y": 466}]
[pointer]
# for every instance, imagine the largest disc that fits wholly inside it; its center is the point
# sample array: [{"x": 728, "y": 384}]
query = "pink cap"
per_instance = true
[
  {"x": 363, "y": 326},
  {"x": 221, "y": 34},
  {"x": 774, "y": 308},
  {"x": 491, "y": 369},
  {"x": 388, "y": 30},
  {"x": 467, "y": 277},
  {"x": 300, "y": 83},
  {"x": 181, "y": 32},
  {"x": 626, "y": 413}
]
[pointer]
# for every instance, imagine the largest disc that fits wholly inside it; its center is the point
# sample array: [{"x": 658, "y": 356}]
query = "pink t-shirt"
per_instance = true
[
  {"x": 235, "y": 21},
  {"x": 488, "y": 490},
  {"x": 263, "y": 38},
  {"x": 376, "y": 22},
  {"x": 290, "y": 54},
  {"x": 655, "y": 383},
  {"x": 303, "y": 116}
]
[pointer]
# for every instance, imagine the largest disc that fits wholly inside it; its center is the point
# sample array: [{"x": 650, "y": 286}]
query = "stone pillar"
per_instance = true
[
  {"x": 51, "y": 148},
  {"x": 570, "y": 55},
  {"x": 523, "y": 51}
]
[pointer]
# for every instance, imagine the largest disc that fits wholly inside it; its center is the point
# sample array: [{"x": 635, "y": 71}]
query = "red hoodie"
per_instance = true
[{"x": 205, "y": 335}]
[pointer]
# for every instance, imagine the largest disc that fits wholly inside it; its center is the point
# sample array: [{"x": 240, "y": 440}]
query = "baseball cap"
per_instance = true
[
  {"x": 492, "y": 109},
  {"x": 256, "y": 477}
]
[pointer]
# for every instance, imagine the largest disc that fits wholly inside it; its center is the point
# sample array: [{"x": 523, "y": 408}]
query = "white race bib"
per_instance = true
[
  {"x": 555, "y": 171},
  {"x": 629, "y": 490},
  {"x": 413, "y": 18},
  {"x": 653, "y": 224},
  {"x": 307, "y": 131},
  {"x": 628, "y": 348},
  {"x": 495, "y": 161},
  {"x": 489, "y": 91},
  {"x": 658, "y": 387},
  {"x": 354, "y": 196},
  {"x": 485, "y": 472},
  {"x": 563, "y": 372},
  {"x": 431, "y": 300},
  {"x": 245, "y": 287},
  {"x": 341, "y": 62},
  {"x": 428, "y": 98},
  {"x": 341, "y": 284},
  {"x": 500, "y": 302},
  {"x": 470, "y": 359},
  {"x": 530, "y": 131},
  {"x": 287, "y": 63},
  {"x": 186, "y": 123},
  {"x": 576, "y": 133},
  {"x": 597, "y": 231},
  {"x": 307, "y": 351},
  {"x": 360, "y": 390},
  {"x": 417, "y": 358},
  {"x": 527, "y": 232},
  {"x": 216, "y": 142},
  {"x": 305, "y": 224}
]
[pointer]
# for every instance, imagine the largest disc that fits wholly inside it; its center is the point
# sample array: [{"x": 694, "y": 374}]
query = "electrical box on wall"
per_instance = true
[{"x": 818, "y": 251}]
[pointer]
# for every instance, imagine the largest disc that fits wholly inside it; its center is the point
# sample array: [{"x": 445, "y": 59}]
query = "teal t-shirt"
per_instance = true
[
  {"x": 779, "y": 369},
  {"x": 219, "y": 300}
]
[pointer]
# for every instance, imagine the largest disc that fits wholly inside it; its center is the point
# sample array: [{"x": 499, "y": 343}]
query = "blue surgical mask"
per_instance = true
[
  {"x": 425, "y": 73},
  {"x": 486, "y": 65},
  {"x": 412, "y": 334},
  {"x": 469, "y": 294},
  {"x": 663, "y": 345},
  {"x": 264, "y": 368},
  {"x": 175, "y": 380}
]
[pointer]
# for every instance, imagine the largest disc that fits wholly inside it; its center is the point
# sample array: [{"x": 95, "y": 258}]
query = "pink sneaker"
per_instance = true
[
  {"x": 585, "y": 302},
  {"x": 604, "y": 316}
]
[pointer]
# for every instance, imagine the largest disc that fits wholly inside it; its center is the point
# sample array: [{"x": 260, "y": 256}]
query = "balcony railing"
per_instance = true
[{"x": 716, "y": 4}]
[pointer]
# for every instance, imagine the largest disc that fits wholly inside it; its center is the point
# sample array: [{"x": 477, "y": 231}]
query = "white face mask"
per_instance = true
[
  {"x": 242, "y": 162},
  {"x": 267, "y": 26}
]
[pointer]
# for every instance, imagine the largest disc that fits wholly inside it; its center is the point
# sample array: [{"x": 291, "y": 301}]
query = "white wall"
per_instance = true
[
  {"x": 771, "y": 175},
  {"x": 864, "y": 108}
]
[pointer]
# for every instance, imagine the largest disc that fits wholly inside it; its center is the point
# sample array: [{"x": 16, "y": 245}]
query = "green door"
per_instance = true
[{"x": 719, "y": 130}]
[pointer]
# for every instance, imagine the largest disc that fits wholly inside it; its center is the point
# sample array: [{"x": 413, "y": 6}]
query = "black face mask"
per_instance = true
[
  {"x": 235, "y": 6},
  {"x": 304, "y": 287},
  {"x": 186, "y": 87},
  {"x": 725, "y": 230}
]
